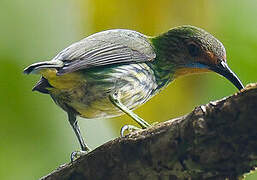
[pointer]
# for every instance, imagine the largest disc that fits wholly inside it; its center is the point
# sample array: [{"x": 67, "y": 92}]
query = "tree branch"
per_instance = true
[{"x": 215, "y": 141}]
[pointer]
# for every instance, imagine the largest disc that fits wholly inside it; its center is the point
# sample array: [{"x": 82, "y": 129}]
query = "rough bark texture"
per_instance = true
[{"x": 215, "y": 141}]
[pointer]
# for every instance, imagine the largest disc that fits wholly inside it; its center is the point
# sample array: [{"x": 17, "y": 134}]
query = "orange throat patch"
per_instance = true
[{"x": 187, "y": 71}]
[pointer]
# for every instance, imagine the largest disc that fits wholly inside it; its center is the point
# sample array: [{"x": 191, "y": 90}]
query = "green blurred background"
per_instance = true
[{"x": 35, "y": 136}]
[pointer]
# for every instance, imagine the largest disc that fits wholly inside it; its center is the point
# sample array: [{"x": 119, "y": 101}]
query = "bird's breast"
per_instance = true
[{"x": 135, "y": 84}]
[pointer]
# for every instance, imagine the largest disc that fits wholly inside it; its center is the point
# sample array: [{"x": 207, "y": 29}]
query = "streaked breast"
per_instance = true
[{"x": 135, "y": 84}]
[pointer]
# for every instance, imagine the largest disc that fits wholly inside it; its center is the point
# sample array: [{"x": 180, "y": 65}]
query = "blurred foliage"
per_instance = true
[{"x": 35, "y": 136}]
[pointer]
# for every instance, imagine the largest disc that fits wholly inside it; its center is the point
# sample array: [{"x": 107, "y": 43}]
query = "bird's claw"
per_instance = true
[
  {"x": 154, "y": 123},
  {"x": 129, "y": 128},
  {"x": 76, "y": 154}
]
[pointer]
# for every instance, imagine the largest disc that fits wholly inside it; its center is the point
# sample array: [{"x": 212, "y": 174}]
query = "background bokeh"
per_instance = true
[{"x": 35, "y": 136}]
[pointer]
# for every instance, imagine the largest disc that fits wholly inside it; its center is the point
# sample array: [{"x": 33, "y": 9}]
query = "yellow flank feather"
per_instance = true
[
  {"x": 63, "y": 82},
  {"x": 186, "y": 71},
  {"x": 97, "y": 109}
]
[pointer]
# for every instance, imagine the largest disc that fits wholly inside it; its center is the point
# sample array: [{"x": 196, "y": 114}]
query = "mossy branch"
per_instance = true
[{"x": 215, "y": 141}]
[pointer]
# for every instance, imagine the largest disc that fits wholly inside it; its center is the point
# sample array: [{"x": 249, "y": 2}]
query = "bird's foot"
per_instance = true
[
  {"x": 128, "y": 129},
  {"x": 154, "y": 123},
  {"x": 76, "y": 154}
]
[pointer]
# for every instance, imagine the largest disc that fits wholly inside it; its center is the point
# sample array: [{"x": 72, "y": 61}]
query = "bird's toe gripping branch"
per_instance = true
[
  {"x": 76, "y": 154},
  {"x": 128, "y": 128}
]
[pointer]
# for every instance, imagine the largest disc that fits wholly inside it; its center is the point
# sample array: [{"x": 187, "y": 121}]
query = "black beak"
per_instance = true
[{"x": 225, "y": 71}]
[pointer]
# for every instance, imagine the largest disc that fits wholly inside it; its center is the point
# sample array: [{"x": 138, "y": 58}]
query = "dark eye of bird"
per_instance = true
[{"x": 193, "y": 49}]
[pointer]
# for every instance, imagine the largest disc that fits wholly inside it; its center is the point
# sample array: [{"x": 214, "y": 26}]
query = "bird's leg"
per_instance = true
[
  {"x": 116, "y": 101},
  {"x": 84, "y": 148}
]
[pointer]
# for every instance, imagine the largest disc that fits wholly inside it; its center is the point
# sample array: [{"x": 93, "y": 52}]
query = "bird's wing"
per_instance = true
[{"x": 106, "y": 48}]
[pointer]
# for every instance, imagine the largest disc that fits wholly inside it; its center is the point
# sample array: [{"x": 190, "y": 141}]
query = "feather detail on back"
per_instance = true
[
  {"x": 106, "y": 48},
  {"x": 34, "y": 68}
]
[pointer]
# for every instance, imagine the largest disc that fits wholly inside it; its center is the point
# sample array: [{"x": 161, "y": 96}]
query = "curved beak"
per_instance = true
[{"x": 225, "y": 71}]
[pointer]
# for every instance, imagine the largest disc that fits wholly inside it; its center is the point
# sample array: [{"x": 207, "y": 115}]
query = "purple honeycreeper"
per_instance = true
[{"x": 115, "y": 71}]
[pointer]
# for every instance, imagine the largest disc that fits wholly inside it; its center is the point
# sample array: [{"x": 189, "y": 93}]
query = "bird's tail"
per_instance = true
[{"x": 33, "y": 68}]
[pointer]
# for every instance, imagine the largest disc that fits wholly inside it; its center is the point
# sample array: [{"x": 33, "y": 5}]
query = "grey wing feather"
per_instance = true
[{"x": 106, "y": 48}]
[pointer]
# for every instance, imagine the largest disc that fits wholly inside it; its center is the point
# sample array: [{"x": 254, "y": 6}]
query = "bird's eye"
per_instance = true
[{"x": 193, "y": 49}]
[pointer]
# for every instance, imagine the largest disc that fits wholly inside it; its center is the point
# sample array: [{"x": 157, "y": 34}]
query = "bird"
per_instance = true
[{"x": 113, "y": 72}]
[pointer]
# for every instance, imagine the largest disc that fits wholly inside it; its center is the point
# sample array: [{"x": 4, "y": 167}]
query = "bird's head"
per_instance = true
[{"x": 193, "y": 50}]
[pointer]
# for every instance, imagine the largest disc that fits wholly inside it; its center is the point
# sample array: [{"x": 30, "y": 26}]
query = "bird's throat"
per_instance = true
[{"x": 189, "y": 70}]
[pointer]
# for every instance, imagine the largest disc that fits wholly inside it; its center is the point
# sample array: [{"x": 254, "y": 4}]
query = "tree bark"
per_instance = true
[{"x": 215, "y": 141}]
